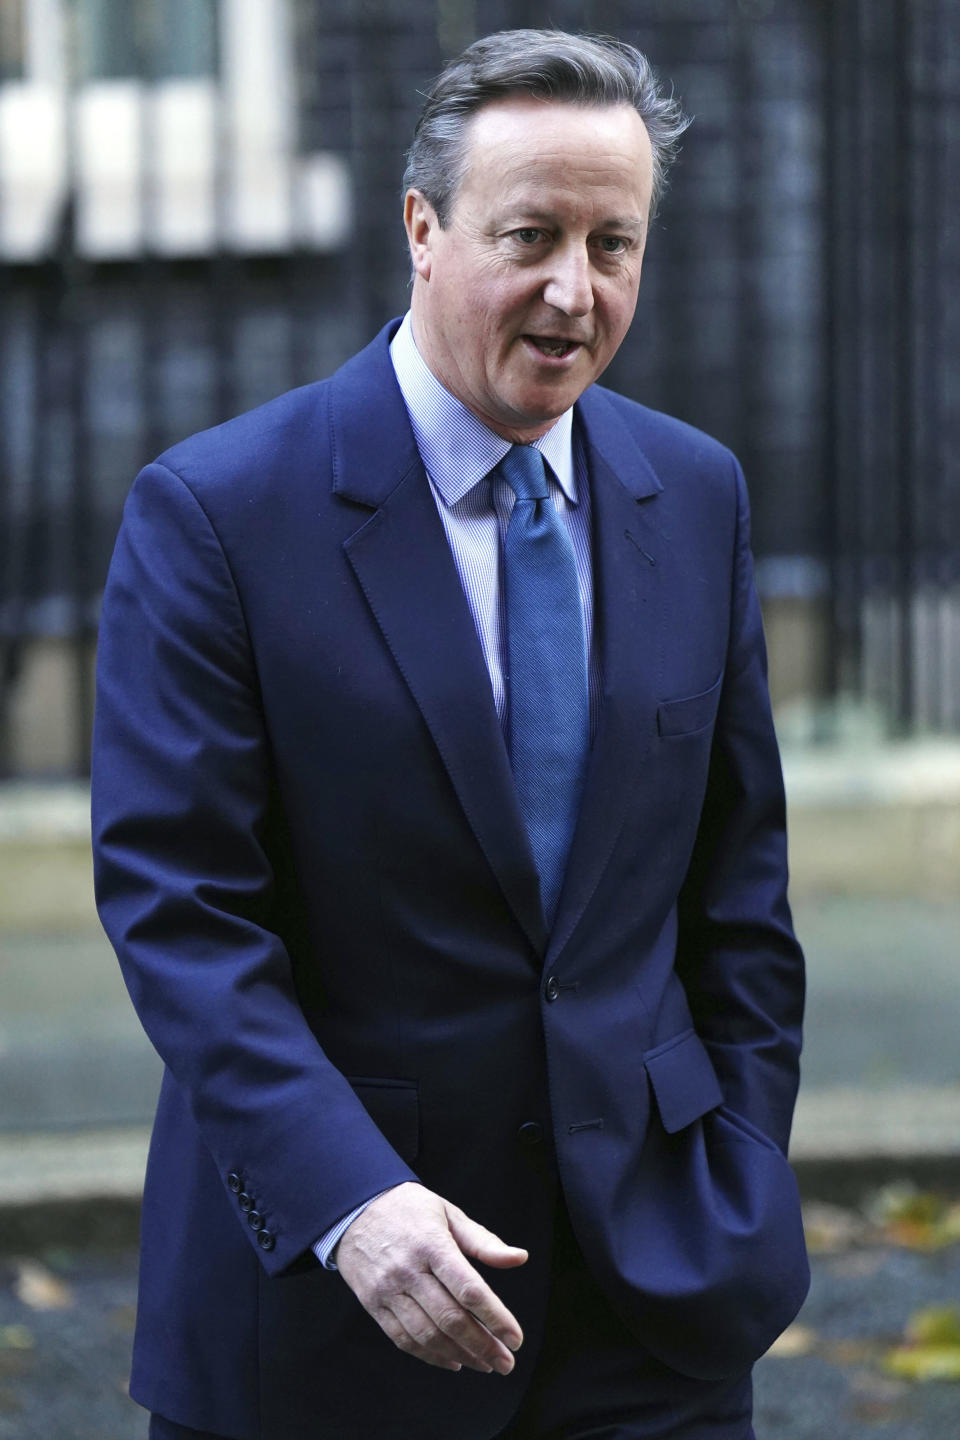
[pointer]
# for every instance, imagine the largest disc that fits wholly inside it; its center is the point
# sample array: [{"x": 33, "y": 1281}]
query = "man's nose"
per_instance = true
[{"x": 569, "y": 287}]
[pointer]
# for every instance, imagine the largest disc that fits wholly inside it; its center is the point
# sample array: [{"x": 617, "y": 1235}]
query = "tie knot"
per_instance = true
[{"x": 522, "y": 468}]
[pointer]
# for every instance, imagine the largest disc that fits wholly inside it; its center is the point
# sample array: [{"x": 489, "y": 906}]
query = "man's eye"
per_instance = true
[
  {"x": 527, "y": 236},
  {"x": 612, "y": 244}
]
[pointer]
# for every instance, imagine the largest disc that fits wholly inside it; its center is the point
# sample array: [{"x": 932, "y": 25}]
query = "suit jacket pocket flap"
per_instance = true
[
  {"x": 683, "y": 717},
  {"x": 683, "y": 1081},
  {"x": 394, "y": 1107}
]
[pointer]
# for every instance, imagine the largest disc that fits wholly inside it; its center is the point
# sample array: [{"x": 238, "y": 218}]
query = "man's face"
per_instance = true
[{"x": 523, "y": 299}]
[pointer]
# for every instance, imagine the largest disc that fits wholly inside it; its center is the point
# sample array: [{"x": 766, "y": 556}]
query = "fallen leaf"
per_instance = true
[
  {"x": 795, "y": 1340},
  {"x": 924, "y": 1362},
  {"x": 16, "y": 1337},
  {"x": 932, "y": 1351},
  {"x": 39, "y": 1288},
  {"x": 829, "y": 1228},
  {"x": 935, "y": 1325},
  {"x": 904, "y": 1202},
  {"x": 914, "y": 1219},
  {"x": 949, "y": 1224}
]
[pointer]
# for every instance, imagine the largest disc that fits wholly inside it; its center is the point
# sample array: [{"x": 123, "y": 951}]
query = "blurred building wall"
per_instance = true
[{"x": 199, "y": 207}]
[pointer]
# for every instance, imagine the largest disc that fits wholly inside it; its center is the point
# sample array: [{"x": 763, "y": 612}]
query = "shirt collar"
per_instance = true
[{"x": 456, "y": 448}]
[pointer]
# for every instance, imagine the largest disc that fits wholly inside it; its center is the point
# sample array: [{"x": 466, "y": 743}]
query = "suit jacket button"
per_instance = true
[
  {"x": 552, "y": 988},
  {"x": 234, "y": 1183},
  {"x": 266, "y": 1240},
  {"x": 530, "y": 1133},
  {"x": 255, "y": 1220},
  {"x": 245, "y": 1201}
]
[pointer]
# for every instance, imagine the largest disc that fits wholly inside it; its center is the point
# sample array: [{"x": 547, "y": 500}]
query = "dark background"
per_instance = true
[{"x": 801, "y": 301}]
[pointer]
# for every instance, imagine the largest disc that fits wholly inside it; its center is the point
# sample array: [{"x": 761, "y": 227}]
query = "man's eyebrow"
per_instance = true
[
  {"x": 618, "y": 223},
  {"x": 520, "y": 214}
]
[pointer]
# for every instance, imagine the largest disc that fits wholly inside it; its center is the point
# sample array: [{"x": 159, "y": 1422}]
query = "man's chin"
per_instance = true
[{"x": 534, "y": 410}]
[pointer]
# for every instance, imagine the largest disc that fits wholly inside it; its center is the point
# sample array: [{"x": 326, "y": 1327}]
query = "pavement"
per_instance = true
[
  {"x": 67, "y": 1316},
  {"x": 875, "y": 860}
]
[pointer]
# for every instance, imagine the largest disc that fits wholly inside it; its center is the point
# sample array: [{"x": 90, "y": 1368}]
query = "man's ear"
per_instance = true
[{"x": 420, "y": 221}]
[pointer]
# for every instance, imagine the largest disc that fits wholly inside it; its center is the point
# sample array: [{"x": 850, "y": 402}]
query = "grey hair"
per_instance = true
[{"x": 549, "y": 65}]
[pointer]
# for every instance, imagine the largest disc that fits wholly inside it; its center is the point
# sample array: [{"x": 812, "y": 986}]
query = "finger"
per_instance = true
[
  {"x": 474, "y": 1294},
  {"x": 408, "y": 1342},
  {"x": 480, "y": 1243},
  {"x": 429, "y": 1341},
  {"x": 416, "y": 1315},
  {"x": 475, "y": 1344}
]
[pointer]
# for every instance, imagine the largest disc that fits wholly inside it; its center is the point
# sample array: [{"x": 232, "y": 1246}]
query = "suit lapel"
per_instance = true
[
  {"x": 629, "y": 629},
  {"x": 403, "y": 563}
]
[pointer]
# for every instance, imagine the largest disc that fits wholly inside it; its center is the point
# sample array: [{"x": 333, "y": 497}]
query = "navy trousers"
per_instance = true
[{"x": 592, "y": 1381}]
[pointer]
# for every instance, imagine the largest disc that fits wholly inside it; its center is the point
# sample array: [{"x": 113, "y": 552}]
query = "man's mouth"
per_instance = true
[{"x": 555, "y": 349}]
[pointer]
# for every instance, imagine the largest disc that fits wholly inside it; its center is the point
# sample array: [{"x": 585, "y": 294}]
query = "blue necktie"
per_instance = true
[{"x": 548, "y": 703}]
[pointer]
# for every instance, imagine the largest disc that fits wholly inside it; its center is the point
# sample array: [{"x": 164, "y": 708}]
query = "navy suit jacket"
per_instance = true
[{"x": 310, "y": 859}]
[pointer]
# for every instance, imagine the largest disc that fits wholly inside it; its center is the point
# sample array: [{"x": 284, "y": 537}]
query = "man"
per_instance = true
[{"x": 439, "y": 830}]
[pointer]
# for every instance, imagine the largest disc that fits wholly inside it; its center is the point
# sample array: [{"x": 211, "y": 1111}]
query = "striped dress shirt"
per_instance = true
[{"x": 458, "y": 452}]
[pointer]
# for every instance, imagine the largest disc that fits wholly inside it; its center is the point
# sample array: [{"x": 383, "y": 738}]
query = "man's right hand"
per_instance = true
[{"x": 405, "y": 1258}]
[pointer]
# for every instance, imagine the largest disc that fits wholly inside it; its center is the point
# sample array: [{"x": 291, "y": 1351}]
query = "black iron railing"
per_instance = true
[{"x": 801, "y": 301}]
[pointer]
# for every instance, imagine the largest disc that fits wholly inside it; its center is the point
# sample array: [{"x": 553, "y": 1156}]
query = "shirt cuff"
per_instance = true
[{"x": 325, "y": 1246}]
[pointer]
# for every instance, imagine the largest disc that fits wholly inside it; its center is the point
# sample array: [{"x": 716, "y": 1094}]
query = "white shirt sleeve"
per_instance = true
[{"x": 325, "y": 1246}]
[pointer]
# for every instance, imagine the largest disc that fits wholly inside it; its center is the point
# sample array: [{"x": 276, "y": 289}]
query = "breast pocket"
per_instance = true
[{"x": 690, "y": 714}]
